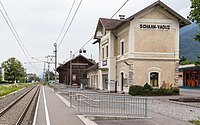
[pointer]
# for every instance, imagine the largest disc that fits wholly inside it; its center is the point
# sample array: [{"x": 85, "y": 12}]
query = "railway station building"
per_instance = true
[{"x": 143, "y": 48}]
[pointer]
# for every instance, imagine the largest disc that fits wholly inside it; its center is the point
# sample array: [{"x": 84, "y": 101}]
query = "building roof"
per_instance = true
[
  {"x": 181, "y": 19},
  {"x": 111, "y": 24},
  {"x": 95, "y": 66},
  {"x": 78, "y": 56},
  {"x": 186, "y": 66}
]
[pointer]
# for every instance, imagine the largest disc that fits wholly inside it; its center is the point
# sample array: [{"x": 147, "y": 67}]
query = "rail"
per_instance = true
[{"x": 20, "y": 118}]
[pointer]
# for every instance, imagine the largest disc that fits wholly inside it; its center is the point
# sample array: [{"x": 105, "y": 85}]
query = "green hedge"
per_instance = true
[
  {"x": 135, "y": 90},
  {"x": 147, "y": 90}
]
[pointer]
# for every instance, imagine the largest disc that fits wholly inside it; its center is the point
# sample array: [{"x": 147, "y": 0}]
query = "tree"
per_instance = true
[
  {"x": 49, "y": 75},
  {"x": 0, "y": 78},
  {"x": 195, "y": 16},
  {"x": 184, "y": 61},
  {"x": 13, "y": 70}
]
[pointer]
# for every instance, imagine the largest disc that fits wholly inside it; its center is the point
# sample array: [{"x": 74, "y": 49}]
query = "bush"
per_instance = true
[
  {"x": 135, "y": 90},
  {"x": 3, "y": 82},
  {"x": 175, "y": 91},
  {"x": 147, "y": 90},
  {"x": 148, "y": 87},
  {"x": 165, "y": 92}
]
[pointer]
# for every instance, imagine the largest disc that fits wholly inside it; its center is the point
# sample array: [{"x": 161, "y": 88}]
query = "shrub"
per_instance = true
[
  {"x": 135, "y": 90},
  {"x": 148, "y": 87},
  {"x": 147, "y": 90},
  {"x": 175, "y": 91},
  {"x": 165, "y": 92}
]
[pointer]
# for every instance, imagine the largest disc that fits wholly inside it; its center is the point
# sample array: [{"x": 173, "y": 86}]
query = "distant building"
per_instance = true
[
  {"x": 143, "y": 48},
  {"x": 189, "y": 76},
  {"x": 30, "y": 77}
]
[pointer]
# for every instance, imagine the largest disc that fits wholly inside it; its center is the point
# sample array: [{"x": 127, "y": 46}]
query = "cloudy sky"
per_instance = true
[{"x": 39, "y": 22}]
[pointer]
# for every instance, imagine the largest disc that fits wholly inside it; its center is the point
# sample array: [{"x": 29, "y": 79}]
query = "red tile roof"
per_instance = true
[{"x": 110, "y": 24}]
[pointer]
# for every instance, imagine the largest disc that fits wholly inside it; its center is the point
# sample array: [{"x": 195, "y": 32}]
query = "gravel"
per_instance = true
[
  {"x": 12, "y": 115},
  {"x": 4, "y": 101},
  {"x": 180, "y": 111},
  {"x": 28, "y": 120}
]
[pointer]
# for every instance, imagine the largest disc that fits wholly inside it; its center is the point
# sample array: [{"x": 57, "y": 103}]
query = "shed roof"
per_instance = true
[{"x": 78, "y": 56}]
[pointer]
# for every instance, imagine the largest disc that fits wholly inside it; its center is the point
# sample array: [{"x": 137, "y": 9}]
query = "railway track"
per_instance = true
[{"x": 15, "y": 112}]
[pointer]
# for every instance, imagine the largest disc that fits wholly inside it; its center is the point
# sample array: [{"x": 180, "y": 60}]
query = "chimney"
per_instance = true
[{"x": 121, "y": 17}]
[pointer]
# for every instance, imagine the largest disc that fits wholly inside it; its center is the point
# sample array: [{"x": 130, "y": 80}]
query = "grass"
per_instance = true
[
  {"x": 196, "y": 122},
  {"x": 6, "y": 89}
]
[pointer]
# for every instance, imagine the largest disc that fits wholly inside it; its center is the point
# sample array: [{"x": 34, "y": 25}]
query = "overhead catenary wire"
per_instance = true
[
  {"x": 65, "y": 21},
  {"x": 15, "y": 34},
  {"x": 14, "y": 30},
  {"x": 70, "y": 23},
  {"x": 105, "y": 23}
]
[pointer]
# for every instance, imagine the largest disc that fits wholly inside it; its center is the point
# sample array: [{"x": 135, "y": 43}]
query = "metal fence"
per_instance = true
[{"x": 112, "y": 104}]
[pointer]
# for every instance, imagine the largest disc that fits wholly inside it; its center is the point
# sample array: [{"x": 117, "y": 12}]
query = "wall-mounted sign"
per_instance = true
[
  {"x": 155, "y": 26},
  {"x": 104, "y": 63},
  {"x": 112, "y": 85}
]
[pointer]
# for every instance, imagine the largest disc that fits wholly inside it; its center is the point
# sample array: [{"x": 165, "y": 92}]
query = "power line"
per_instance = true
[
  {"x": 14, "y": 32},
  {"x": 66, "y": 21},
  {"x": 11, "y": 24},
  {"x": 119, "y": 9},
  {"x": 70, "y": 24},
  {"x": 105, "y": 23},
  {"x": 14, "y": 35}
]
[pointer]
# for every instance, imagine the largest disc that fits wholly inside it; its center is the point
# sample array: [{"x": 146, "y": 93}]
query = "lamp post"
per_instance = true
[{"x": 70, "y": 70}]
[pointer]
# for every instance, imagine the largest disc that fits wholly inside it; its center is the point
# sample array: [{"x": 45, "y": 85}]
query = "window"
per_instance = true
[
  {"x": 102, "y": 53},
  {"x": 91, "y": 79},
  {"x": 154, "y": 76},
  {"x": 122, "y": 48},
  {"x": 106, "y": 51}
]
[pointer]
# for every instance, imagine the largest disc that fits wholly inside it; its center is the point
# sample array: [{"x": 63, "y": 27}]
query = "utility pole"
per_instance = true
[
  {"x": 48, "y": 75},
  {"x": 55, "y": 44},
  {"x": 49, "y": 60},
  {"x": 44, "y": 72},
  {"x": 70, "y": 70}
]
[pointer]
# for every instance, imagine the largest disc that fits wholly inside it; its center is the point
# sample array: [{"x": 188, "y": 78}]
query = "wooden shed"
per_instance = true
[{"x": 78, "y": 71}]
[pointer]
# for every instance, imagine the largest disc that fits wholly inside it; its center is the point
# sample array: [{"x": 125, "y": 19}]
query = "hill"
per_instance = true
[{"x": 188, "y": 47}]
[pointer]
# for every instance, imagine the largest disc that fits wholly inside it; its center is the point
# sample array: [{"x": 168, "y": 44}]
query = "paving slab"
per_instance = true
[
  {"x": 156, "y": 119},
  {"x": 59, "y": 113}
]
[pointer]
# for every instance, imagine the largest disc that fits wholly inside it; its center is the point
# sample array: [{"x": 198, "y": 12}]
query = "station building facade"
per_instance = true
[{"x": 143, "y": 48}]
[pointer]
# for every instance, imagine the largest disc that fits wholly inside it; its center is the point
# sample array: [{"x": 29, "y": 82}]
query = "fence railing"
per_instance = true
[{"x": 100, "y": 103}]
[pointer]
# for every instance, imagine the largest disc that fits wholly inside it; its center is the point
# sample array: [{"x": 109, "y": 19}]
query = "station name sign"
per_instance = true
[{"x": 155, "y": 26}]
